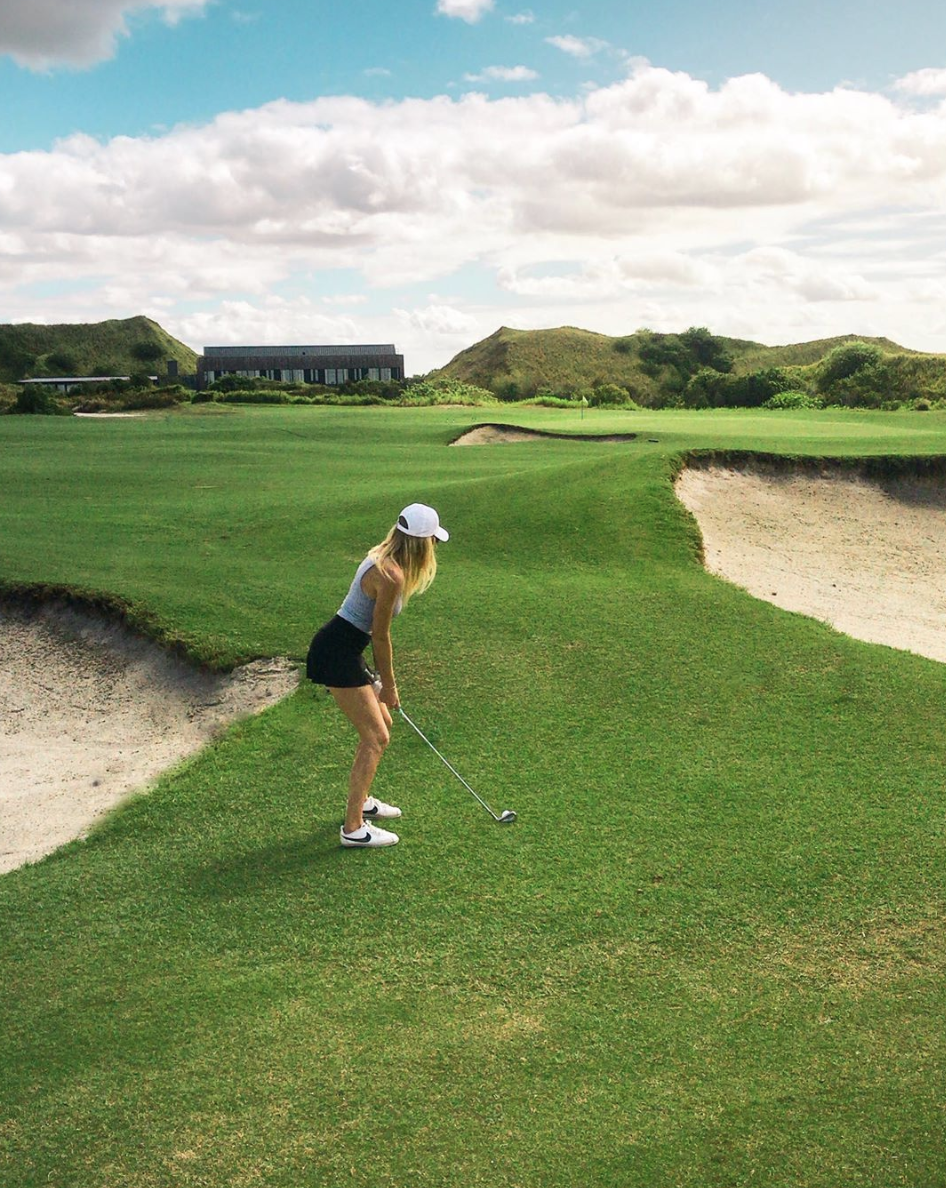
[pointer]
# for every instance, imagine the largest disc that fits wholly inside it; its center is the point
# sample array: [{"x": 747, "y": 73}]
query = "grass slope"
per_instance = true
[
  {"x": 753, "y": 356},
  {"x": 709, "y": 954},
  {"x": 117, "y": 347},
  {"x": 569, "y": 359}
]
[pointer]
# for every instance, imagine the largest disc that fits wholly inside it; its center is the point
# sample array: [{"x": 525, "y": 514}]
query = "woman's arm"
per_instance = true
[{"x": 389, "y": 588}]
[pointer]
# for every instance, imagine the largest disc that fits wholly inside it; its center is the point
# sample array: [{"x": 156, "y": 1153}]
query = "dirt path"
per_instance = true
[
  {"x": 869, "y": 559},
  {"x": 90, "y": 712}
]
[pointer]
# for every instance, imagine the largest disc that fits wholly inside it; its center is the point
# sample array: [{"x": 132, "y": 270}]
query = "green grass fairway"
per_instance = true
[{"x": 711, "y": 953}]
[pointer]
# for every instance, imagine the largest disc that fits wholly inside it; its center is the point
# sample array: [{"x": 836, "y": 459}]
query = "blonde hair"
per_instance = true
[{"x": 416, "y": 556}]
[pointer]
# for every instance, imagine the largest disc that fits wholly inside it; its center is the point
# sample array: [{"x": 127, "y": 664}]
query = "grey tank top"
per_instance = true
[{"x": 358, "y": 608}]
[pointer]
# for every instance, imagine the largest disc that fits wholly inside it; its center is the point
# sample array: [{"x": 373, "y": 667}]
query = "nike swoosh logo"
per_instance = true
[{"x": 366, "y": 838}]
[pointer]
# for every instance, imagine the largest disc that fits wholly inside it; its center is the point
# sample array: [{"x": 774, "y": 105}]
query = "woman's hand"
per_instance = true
[{"x": 389, "y": 696}]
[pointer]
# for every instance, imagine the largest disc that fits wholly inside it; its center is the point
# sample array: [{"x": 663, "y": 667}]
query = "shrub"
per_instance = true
[
  {"x": 547, "y": 400},
  {"x": 706, "y": 389},
  {"x": 254, "y": 396},
  {"x": 232, "y": 383},
  {"x": 753, "y": 390},
  {"x": 106, "y": 367},
  {"x": 61, "y": 363},
  {"x": 846, "y": 361},
  {"x": 38, "y": 400},
  {"x": 609, "y": 394},
  {"x": 147, "y": 352},
  {"x": 15, "y": 364},
  {"x": 674, "y": 358},
  {"x": 445, "y": 391},
  {"x": 706, "y": 350},
  {"x": 168, "y": 397},
  {"x": 790, "y": 400}
]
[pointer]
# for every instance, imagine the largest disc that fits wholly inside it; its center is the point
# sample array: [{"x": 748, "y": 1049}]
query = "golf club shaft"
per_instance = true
[{"x": 446, "y": 764}]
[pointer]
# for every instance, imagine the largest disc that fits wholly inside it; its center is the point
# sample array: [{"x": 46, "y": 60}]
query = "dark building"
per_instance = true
[{"x": 301, "y": 364}]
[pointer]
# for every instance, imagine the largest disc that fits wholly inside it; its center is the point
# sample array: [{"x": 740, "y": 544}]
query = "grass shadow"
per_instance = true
[{"x": 260, "y": 869}]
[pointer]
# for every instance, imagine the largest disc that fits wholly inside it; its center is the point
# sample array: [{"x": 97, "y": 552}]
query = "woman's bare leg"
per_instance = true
[
  {"x": 369, "y": 717},
  {"x": 385, "y": 712}
]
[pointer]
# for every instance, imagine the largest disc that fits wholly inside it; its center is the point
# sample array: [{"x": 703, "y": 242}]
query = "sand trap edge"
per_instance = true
[
  {"x": 855, "y": 542},
  {"x": 877, "y": 468},
  {"x": 129, "y": 710},
  {"x": 494, "y": 433},
  {"x": 39, "y": 597}
]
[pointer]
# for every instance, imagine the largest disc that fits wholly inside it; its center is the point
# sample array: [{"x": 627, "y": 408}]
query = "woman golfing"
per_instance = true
[{"x": 403, "y": 564}]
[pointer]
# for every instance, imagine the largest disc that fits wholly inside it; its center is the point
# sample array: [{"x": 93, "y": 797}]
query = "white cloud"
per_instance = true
[
  {"x": 578, "y": 47},
  {"x": 40, "y": 34},
  {"x": 466, "y": 10},
  {"x": 522, "y": 18},
  {"x": 502, "y": 74},
  {"x": 923, "y": 82},
  {"x": 274, "y": 320},
  {"x": 812, "y": 279},
  {"x": 444, "y": 320},
  {"x": 745, "y": 207},
  {"x": 611, "y": 276}
]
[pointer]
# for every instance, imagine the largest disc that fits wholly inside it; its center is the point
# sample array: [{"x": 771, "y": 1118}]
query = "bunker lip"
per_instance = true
[
  {"x": 858, "y": 543},
  {"x": 493, "y": 433},
  {"x": 92, "y": 711}
]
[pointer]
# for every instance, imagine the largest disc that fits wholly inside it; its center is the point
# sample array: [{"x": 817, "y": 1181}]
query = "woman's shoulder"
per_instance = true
[{"x": 389, "y": 574}]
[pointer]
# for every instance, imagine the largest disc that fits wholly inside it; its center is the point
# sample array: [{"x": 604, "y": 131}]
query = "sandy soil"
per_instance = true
[
  {"x": 507, "y": 434},
  {"x": 90, "y": 712},
  {"x": 868, "y": 558}
]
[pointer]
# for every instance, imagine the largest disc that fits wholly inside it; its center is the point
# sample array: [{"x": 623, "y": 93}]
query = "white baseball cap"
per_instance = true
[{"x": 417, "y": 519}]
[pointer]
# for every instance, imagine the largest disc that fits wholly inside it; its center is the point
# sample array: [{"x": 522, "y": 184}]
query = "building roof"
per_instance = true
[{"x": 262, "y": 352}]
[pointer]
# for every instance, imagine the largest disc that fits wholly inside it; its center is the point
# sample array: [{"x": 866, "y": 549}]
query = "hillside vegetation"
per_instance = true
[
  {"x": 697, "y": 369},
  {"x": 692, "y": 369},
  {"x": 119, "y": 347}
]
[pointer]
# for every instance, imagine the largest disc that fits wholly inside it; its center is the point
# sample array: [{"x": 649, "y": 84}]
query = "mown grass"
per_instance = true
[{"x": 709, "y": 953}]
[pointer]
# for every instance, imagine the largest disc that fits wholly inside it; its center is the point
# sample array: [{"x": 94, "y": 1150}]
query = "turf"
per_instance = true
[{"x": 710, "y": 951}]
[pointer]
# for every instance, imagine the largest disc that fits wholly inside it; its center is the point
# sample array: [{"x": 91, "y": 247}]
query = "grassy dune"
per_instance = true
[
  {"x": 709, "y": 953},
  {"x": 121, "y": 346},
  {"x": 567, "y": 358}
]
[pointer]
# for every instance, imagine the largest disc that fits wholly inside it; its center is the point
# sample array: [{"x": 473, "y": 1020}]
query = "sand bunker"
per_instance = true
[
  {"x": 90, "y": 712},
  {"x": 507, "y": 434},
  {"x": 866, "y": 556}
]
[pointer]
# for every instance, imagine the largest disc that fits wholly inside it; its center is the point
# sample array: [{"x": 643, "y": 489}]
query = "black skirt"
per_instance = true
[{"x": 335, "y": 656}]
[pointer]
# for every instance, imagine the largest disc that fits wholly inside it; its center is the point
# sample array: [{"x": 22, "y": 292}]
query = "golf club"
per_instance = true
[{"x": 506, "y": 817}]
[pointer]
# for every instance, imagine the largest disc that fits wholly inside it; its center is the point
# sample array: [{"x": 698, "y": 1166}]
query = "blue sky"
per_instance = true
[
  {"x": 238, "y": 55},
  {"x": 377, "y": 171}
]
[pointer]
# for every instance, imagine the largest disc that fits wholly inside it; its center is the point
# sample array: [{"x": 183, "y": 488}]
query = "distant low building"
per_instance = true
[
  {"x": 68, "y": 383},
  {"x": 301, "y": 364}
]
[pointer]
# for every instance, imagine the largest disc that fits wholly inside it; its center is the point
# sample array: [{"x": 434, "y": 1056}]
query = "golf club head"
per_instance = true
[{"x": 506, "y": 817}]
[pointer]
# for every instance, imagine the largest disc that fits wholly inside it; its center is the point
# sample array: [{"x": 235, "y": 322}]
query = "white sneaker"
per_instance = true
[
  {"x": 368, "y": 835},
  {"x": 374, "y": 810}
]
